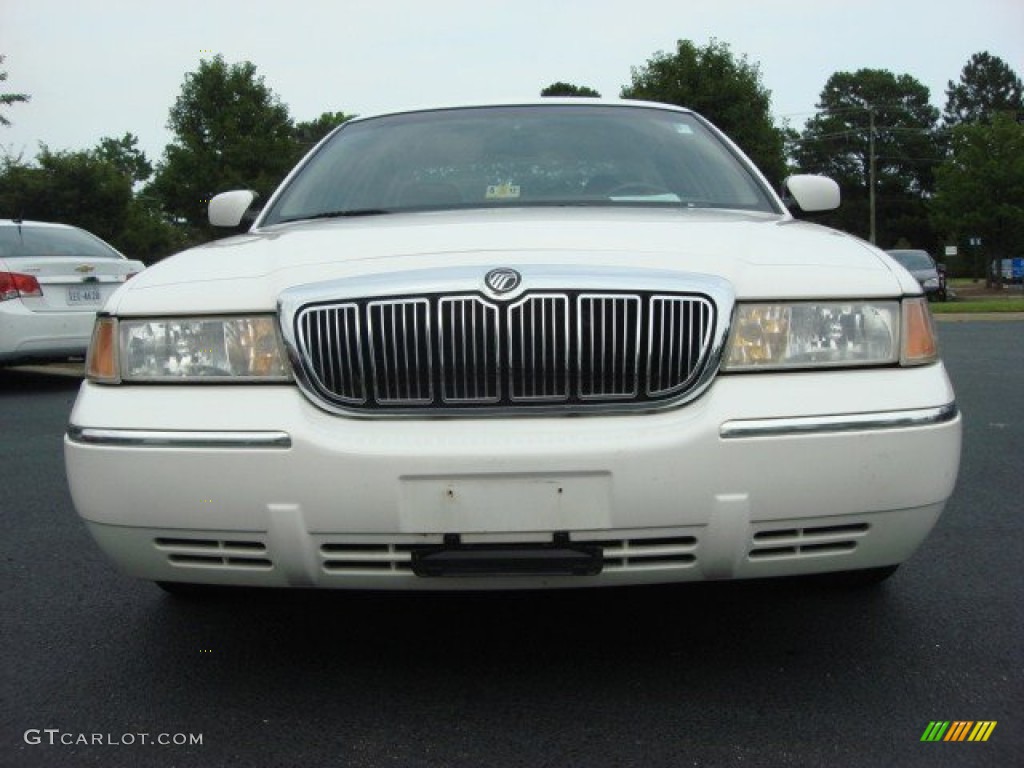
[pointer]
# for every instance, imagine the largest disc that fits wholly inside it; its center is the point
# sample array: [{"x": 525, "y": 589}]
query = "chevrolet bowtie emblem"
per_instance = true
[{"x": 85, "y": 268}]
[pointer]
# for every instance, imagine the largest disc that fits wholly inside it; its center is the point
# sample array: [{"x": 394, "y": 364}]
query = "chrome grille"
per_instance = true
[
  {"x": 470, "y": 350},
  {"x": 573, "y": 349},
  {"x": 331, "y": 339},
  {"x": 609, "y": 332},
  {"x": 679, "y": 332},
  {"x": 400, "y": 351},
  {"x": 538, "y": 340}
]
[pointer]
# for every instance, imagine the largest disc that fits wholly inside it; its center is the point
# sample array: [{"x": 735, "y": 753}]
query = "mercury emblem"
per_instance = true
[{"x": 503, "y": 280}]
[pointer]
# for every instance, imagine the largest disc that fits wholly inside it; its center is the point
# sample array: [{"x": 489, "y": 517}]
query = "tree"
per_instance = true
[
  {"x": 230, "y": 131},
  {"x": 980, "y": 188},
  {"x": 7, "y": 99},
  {"x": 147, "y": 234},
  {"x": 308, "y": 133},
  {"x": 987, "y": 86},
  {"x": 68, "y": 187},
  {"x": 874, "y": 125},
  {"x": 569, "y": 89},
  {"x": 88, "y": 190},
  {"x": 125, "y": 155},
  {"x": 725, "y": 90}
]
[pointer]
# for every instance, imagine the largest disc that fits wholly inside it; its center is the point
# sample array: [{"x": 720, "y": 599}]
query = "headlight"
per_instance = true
[
  {"x": 931, "y": 282},
  {"x": 823, "y": 334},
  {"x": 186, "y": 350}
]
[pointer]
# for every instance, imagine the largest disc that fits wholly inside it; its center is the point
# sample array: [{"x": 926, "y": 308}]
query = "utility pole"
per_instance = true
[{"x": 871, "y": 171}]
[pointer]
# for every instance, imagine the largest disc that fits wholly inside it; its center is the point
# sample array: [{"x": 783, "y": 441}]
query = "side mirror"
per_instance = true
[
  {"x": 228, "y": 208},
  {"x": 813, "y": 193}
]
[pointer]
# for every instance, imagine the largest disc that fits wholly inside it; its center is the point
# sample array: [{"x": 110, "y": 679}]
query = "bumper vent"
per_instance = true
[
  {"x": 620, "y": 554},
  {"x": 786, "y": 543},
  {"x": 215, "y": 553}
]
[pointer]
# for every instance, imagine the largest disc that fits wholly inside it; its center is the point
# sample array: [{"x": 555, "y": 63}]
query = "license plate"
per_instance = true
[
  {"x": 84, "y": 295},
  {"x": 508, "y": 503}
]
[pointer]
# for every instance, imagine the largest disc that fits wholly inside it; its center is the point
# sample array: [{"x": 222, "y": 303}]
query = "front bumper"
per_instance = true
[{"x": 255, "y": 486}]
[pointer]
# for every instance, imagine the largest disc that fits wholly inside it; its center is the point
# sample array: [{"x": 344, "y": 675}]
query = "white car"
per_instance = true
[
  {"x": 564, "y": 344},
  {"x": 53, "y": 279}
]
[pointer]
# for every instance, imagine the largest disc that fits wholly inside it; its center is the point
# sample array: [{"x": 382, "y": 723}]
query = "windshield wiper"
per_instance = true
[{"x": 338, "y": 214}]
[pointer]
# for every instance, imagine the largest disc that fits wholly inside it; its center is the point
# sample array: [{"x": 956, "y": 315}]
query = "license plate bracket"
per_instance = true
[{"x": 556, "y": 559}]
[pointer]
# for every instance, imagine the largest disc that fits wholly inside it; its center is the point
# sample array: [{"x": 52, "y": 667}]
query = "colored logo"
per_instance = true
[{"x": 958, "y": 730}]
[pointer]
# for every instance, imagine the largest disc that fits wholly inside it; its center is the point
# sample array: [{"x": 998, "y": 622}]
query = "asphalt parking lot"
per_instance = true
[{"x": 756, "y": 674}]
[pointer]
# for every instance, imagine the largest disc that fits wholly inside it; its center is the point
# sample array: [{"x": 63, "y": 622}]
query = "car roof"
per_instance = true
[
  {"x": 909, "y": 252},
  {"x": 29, "y": 223}
]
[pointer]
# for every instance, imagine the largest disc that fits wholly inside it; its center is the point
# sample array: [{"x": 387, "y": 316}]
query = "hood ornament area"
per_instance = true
[{"x": 503, "y": 280}]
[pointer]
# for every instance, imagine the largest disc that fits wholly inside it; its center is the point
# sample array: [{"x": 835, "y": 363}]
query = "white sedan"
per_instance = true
[
  {"x": 53, "y": 279},
  {"x": 562, "y": 344}
]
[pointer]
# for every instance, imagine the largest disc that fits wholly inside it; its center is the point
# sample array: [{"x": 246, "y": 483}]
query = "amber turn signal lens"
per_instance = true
[
  {"x": 919, "y": 343},
  {"x": 101, "y": 361}
]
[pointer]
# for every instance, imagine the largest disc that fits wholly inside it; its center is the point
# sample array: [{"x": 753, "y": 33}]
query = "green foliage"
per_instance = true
[
  {"x": 7, "y": 99},
  {"x": 308, "y": 133},
  {"x": 987, "y": 86},
  {"x": 569, "y": 89},
  {"x": 725, "y": 90},
  {"x": 146, "y": 233},
  {"x": 88, "y": 190},
  {"x": 975, "y": 306},
  {"x": 125, "y": 155},
  {"x": 69, "y": 187},
  {"x": 980, "y": 188},
  {"x": 230, "y": 132},
  {"x": 836, "y": 142}
]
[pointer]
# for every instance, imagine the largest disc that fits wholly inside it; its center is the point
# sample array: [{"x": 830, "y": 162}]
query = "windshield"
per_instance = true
[
  {"x": 27, "y": 240},
  {"x": 913, "y": 260},
  {"x": 520, "y": 156}
]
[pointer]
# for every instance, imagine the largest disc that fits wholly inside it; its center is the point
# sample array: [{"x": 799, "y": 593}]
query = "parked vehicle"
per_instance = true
[
  {"x": 53, "y": 279},
  {"x": 926, "y": 271},
  {"x": 556, "y": 344},
  {"x": 1010, "y": 270}
]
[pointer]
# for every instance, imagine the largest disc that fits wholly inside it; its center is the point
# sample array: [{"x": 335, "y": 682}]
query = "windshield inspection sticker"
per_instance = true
[
  {"x": 505, "y": 191},
  {"x": 961, "y": 730}
]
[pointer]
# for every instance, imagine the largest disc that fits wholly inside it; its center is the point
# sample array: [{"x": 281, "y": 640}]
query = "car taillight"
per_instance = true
[{"x": 13, "y": 285}]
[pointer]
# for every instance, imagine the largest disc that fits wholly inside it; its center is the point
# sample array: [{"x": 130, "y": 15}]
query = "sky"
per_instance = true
[{"x": 96, "y": 68}]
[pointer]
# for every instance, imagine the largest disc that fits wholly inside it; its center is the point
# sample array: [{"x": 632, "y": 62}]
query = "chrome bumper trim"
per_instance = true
[
  {"x": 150, "y": 438},
  {"x": 849, "y": 422}
]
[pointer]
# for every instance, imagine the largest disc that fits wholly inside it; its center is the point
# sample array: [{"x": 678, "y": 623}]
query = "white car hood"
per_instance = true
[{"x": 763, "y": 256}]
